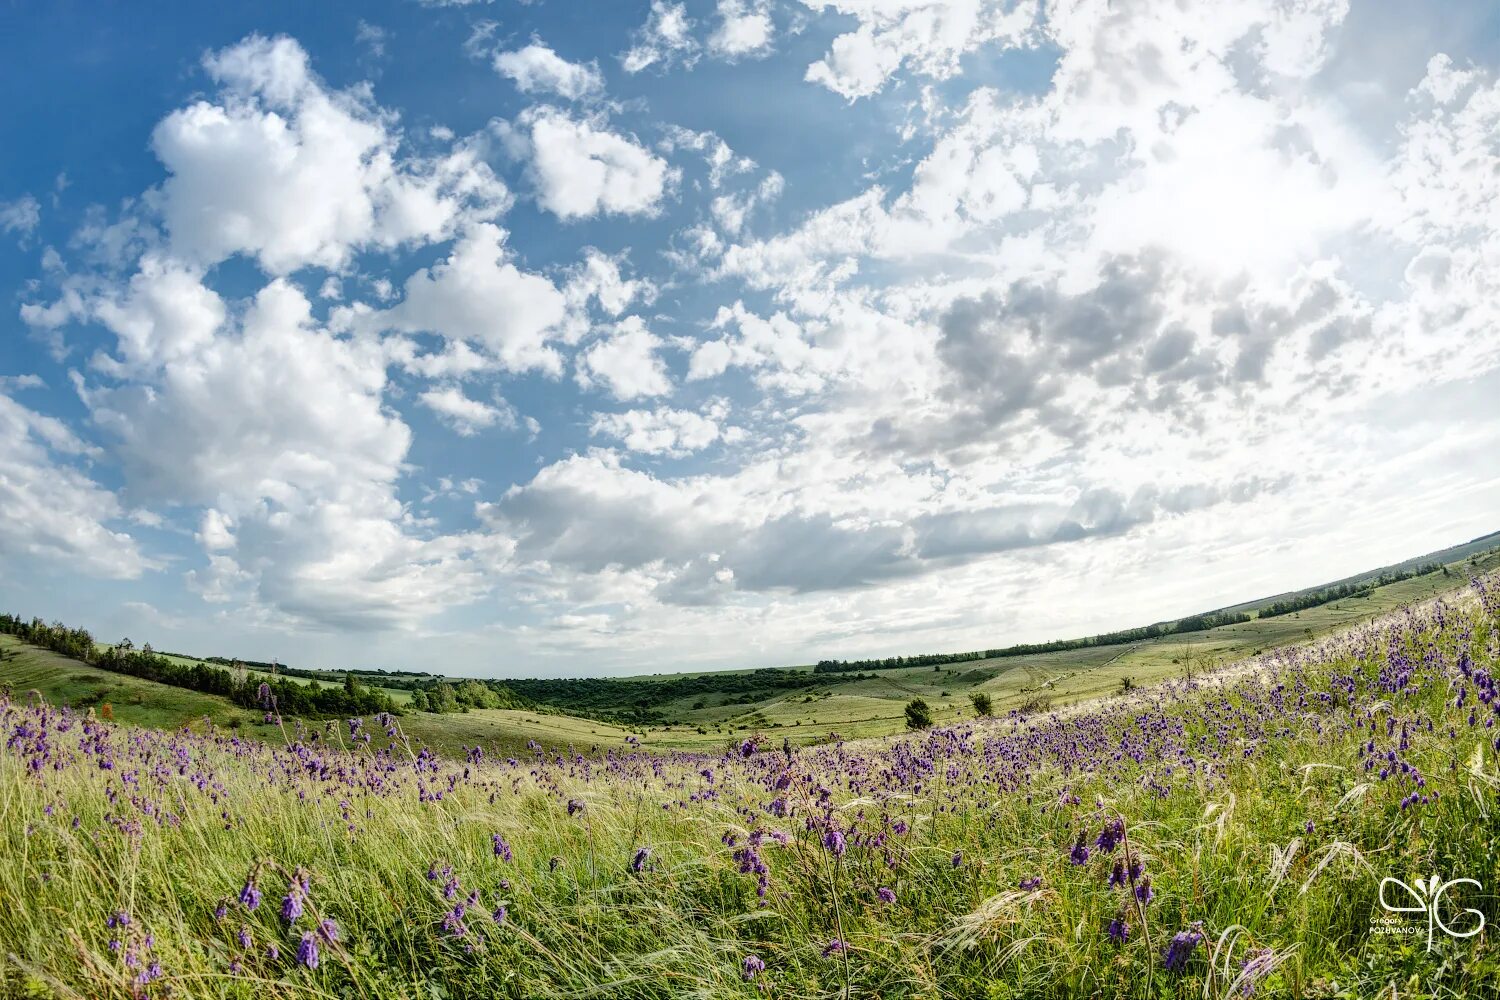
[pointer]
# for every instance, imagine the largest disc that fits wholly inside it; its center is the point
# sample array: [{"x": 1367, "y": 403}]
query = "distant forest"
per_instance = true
[
  {"x": 1193, "y": 623},
  {"x": 636, "y": 701},
  {"x": 1300, "y": 602}
]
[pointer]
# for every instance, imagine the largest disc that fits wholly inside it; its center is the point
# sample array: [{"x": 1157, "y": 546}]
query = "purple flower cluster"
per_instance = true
[{"x": 1182, "y": 946}]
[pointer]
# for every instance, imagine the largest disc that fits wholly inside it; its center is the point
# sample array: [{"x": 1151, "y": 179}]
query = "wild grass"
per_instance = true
[{"x": 1264, "y": 805}]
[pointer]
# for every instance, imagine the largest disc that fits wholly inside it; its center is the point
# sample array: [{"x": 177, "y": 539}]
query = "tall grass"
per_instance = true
[{"x": 1264, "y": 805}]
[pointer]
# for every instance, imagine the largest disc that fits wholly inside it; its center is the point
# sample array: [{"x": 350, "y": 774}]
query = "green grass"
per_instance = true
[
  {"x": 1249, "y": 806},
  {"x": 131, "y": 700},
  {"x": 842, "y": 707}
]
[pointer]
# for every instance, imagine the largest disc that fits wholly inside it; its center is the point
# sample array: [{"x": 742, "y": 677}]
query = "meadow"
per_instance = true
[
  {"x": 838, "y": 706},
  {"x": 1222, "y": 836}
]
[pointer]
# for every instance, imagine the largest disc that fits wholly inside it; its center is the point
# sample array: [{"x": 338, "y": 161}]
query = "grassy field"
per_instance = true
[
  {"x": 1219, "y": 838},
  {"x": 873, "y": 707},
  {"x": 842, "y": 707}
]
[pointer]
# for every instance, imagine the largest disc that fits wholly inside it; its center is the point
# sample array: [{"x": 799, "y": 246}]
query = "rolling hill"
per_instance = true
[{"x": 708, "y": 709}]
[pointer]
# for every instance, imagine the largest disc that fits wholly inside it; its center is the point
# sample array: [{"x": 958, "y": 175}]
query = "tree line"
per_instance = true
[
  {"x": 636, "y": 701},
  {"x": 1192, "y": 623},
  {"x": 1313, "y": 598},
  {"x": 234, "y": 683},
  {"x": 408, "y": 680}
]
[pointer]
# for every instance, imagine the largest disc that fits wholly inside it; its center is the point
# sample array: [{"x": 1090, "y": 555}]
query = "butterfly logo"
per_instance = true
[{"x": 1427, "y": 894}]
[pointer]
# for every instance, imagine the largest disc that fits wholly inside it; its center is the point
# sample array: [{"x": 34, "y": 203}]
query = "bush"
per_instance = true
[
  {"x": 918, "y": 715},
  {"x": 981, "y": 702}
]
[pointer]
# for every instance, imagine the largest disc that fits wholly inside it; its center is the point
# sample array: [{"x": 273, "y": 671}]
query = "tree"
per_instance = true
[
  {"x": 918, "y": 715},
  {"x": 981, "y": 702}
]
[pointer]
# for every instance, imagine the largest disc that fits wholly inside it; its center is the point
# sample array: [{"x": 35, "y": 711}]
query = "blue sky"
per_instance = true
[{"x": 558, "y": 338}]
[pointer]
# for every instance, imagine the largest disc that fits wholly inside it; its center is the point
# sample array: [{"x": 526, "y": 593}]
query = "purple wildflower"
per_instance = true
[
  {"x": 753, "y": 966},
  {"x": 834, "y": 841},
  {"x": 639, "y": 861},
  {"x": 500, "y": 914},
  {"x": 1184, "y": 943},
  {"x": 1111, "y": 835},
  {"x": 1119, "y": 930},
  {"x": 502, "y": 849},
  {"x": 307, "y": 951},
  {"x": 886, "y": 895},
  {"x": 1028, "y": 884},
  {"x": 1080, "y": 853},
  {"x": 834, "y": 947},
  {"x": 291, "y": 904},
  {"x": 250, "y": 895}
]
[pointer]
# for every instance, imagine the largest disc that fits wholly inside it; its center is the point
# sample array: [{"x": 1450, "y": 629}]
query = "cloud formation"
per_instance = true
[{"x": 1068, "y": 292}]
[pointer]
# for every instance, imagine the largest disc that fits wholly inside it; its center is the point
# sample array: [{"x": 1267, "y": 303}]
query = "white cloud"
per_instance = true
[
  {"x": 20, "y": 216},
  {"x": 278, "y": 428},
  {"x": 478, "y": 296},
  {"x": 664, "y": 40},
  {"x": 466, "y": 416},
  {"x": 625, "y": 363},
  {"x": 581, "y": 169},
  {"x": 926, "y": 36},
  {"x": 663, "y": 431},
  {"x": 54, "y": 518},
  {"x": 536, "y": 69},
  {"x": 745, "y": 29},
  {"x": 294, "y": 174}
]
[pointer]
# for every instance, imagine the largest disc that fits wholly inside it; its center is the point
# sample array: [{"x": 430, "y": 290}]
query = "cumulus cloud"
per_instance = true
[
  {"x": 745, "y": 29},
  {"x": 466, "y": 416},
  {"x": 477, "y": 296},
  {"x": 1174, "y": 295},
  {"x": 536, "y": 69},
  {"x": 665, "y": 431},
  {"x": 284, "y": 169},
  {"x": 664, "y": 40},
  {"x": 53, "y": 517},
  {"x": 581, "y": 169},
  {"x": 625, "y": 363},
  {"x": 278, "y": 427},
  {"x": 926, "y": 36}
]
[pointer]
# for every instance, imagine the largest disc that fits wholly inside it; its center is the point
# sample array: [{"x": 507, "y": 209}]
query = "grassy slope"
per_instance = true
[
  {"x": 850, "y": 708},
  {"x": 874, "y": 707},
  {"x": 1249, "y": 807},
  {"x": 66, "y": 681}
]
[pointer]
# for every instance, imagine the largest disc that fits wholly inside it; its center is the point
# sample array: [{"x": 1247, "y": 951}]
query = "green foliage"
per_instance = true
[
  {"x": 446, "y": 696},
  {"x": 1327, "y": 595},
  {"x": 918, "y": 715},
  {"x": 636, "y": 700},
  {"x": 982, "y": 703},
  {"x": 1277, "y": 846},
  {"x": 282, "y": 694},
  {"x": 1193, "y": 623}
]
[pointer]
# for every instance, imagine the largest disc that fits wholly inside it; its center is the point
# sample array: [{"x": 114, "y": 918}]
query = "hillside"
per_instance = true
[
  {"x": 1222, "y": 838},
  {"x": 792, "y": 703}
]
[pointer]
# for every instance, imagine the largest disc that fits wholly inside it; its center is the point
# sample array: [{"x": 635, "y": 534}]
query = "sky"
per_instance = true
[{"x": 572, "y": 337}]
